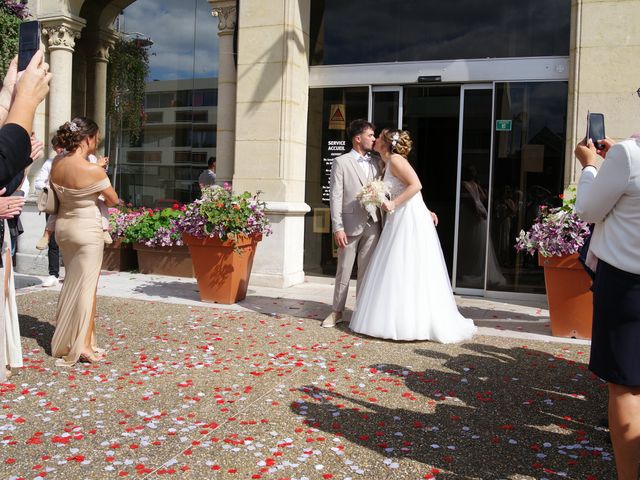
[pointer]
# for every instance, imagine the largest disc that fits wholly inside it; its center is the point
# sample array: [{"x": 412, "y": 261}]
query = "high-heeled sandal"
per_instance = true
[{"x": 90, "y": 358}]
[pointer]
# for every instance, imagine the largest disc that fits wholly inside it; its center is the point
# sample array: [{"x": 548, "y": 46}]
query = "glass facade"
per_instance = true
[
  {"x": 162, "y": 166},
  {"x": 488, "y": 154},
  {"x": 420, "y": 30}
]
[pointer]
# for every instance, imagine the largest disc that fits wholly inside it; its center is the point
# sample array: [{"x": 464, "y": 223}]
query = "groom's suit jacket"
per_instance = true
[{"x": 347, "y": 180}]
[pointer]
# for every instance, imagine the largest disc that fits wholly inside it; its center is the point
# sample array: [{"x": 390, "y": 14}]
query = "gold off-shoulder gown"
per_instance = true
[{"x": 80, "y": 238}]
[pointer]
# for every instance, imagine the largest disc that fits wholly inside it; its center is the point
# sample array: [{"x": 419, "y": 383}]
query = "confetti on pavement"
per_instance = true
[{"x": 196, "y": 392}]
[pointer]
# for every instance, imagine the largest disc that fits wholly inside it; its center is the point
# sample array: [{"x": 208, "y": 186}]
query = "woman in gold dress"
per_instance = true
[{"x": 77, "y": 184}]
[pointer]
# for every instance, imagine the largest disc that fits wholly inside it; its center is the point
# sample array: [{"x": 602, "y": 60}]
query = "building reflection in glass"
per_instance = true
[{"x": 163, "y": 165}]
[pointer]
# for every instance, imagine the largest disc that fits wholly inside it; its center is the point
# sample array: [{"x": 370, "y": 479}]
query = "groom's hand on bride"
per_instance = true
[
  {"x": 341, "y": 239},
  {"x": 434, "y": 217}
]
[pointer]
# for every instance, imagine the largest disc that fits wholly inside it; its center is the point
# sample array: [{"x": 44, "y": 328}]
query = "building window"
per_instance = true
[
  {"x": 144, "y": 156},
  {"x": 154, "y": 117}
]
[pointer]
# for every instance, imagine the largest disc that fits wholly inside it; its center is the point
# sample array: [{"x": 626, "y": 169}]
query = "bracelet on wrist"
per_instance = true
[{"x": 589, "y": 166}]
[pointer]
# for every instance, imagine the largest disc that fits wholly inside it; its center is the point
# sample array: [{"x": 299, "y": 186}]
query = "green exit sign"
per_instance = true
[{"x": 503, "y": 125}]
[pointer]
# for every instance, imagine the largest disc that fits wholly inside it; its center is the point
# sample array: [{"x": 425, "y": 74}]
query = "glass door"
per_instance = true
[
  {"x": 386, "y": 107},
  {"x": 474, "y": 257},
  {"x": 431, "y": 115}
]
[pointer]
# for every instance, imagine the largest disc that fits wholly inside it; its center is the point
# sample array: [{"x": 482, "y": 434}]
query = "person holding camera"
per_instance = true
[
  {"x": 19, "y": 98},
  {"x": 609, "y": 197}
]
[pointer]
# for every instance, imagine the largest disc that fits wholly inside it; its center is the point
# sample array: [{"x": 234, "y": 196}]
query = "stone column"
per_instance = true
[
  {"x": 105, "y": 42},
  {"x": 271, "y": 128},
  {"x": 225, "y": 11},
  {"x": 604, "y": 52},
  {"x": 61, "y": 36}
]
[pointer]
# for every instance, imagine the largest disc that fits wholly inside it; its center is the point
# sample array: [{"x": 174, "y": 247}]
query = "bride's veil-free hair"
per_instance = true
[{"x": 399, "y": 141}]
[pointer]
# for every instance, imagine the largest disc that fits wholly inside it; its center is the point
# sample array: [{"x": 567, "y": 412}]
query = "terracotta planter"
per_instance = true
[
  {"x": 222, "y": 268},
  {"x": 171, "y": 261},
  {"x": 119, "y": 257},
  {"x": 570, "y": 300}
]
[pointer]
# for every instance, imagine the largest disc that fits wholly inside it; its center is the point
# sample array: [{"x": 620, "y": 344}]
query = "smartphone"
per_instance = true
[
  {"x": 28, "y": 43},
  {"x": 595, "y": 128}
]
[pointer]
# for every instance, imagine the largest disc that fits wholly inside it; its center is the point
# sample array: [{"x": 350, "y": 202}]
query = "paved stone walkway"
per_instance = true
[{"x": 194, "y": 391}]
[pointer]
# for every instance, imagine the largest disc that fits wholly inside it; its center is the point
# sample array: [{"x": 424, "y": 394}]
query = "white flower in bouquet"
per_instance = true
[{"x": 372, "y": 195}]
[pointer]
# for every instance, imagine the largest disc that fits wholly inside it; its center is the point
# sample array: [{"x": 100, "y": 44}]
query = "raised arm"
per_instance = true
[
  {"x": 31, "y": 88},
  {"x": 598, "y": 192}
]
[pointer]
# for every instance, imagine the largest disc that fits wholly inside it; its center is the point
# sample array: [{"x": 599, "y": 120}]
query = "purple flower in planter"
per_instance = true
[
  {"x": 556, "y": 232},
  {"x": 222, "y": 214}
]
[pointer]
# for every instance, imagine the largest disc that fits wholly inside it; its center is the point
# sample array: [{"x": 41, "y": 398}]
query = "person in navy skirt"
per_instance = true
[{"x": 609, "y": 197}]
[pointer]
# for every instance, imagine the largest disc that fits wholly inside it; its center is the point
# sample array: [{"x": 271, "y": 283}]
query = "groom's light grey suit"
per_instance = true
[{"x": 347, "y": 179}]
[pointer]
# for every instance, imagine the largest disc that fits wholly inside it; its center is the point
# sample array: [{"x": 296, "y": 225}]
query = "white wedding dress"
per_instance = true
[{"x": 406, "y": 293}]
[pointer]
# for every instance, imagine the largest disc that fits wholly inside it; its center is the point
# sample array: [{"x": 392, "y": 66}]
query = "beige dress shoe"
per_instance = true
[{"x": 332, "y": 320}]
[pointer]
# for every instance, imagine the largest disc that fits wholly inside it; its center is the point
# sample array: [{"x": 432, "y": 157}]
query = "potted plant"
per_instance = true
[
  {"x": 119, "y": 255},
  {"x": 158, "y": 242},
  {"x": 557, "y": 236},
  {"x": 222, "y": 230}
]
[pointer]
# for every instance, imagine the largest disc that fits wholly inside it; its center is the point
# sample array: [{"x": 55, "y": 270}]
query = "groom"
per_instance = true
[{"x": 356, "y": 233}]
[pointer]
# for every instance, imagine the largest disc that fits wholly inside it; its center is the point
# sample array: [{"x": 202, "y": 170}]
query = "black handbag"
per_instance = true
[{"x": 48, "y": 201}]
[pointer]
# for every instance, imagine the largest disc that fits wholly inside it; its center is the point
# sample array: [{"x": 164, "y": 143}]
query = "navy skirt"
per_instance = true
[{"x": 615, "y": 343}]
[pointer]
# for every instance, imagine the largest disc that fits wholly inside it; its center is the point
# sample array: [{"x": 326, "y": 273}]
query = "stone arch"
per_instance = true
[{"x": 92, "y": 53}]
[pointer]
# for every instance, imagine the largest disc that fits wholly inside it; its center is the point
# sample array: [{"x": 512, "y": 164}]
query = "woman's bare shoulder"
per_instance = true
[
  {"x": 76, "y": 173},
  {"x": 398, "y": 161}
]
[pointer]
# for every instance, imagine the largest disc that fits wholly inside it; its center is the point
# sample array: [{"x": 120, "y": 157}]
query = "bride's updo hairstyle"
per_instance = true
[
  {"x": 399, "y": 141},
  {"x": 71, "y": 134}
]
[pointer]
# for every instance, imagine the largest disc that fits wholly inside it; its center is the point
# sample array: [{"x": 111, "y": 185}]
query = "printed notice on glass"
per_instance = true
[{"x": 331, "y": 150}]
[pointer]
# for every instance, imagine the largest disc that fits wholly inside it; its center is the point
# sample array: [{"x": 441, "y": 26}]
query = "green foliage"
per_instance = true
[
  {"x": 126, "y": 76},
  {"x": 10, "y": 22},
  {"x": 155, "y": 227},
  {"x": 220, "y": 213}
]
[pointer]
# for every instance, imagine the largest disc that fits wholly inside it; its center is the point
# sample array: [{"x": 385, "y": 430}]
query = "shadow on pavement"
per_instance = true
[
  {"x": 490, "y": 413},
  {"x": 169, "y": 289},
  {"x": 285, "y": 306},
  {"x": 41, "y": 331}
]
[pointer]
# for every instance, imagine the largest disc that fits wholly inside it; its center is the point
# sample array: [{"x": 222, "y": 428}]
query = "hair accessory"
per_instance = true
[
  {"x": 73, "y": 127},
  {"x": 394, "y": 139}
]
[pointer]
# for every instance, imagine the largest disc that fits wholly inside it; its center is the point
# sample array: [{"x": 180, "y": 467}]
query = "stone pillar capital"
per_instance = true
[
  {"x": 61, "y": 33},
  {"x": 105, "y": 41},
  {"x": 227, "y": 17}
]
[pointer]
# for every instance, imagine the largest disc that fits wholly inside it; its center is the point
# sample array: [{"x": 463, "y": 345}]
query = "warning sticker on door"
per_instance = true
[{"x": 337, "y": 117}]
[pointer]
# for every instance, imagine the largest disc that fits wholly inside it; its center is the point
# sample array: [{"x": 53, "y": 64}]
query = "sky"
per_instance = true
[{"x": 177, "y": 29}]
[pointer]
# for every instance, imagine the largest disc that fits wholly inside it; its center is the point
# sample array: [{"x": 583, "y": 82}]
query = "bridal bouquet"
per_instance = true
[{"x": 372, "y": 195}]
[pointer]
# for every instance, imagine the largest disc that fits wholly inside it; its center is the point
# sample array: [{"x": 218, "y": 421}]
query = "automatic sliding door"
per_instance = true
[
  {"x": 431, "y": 115},
  {"x": 474, "y": 256}
]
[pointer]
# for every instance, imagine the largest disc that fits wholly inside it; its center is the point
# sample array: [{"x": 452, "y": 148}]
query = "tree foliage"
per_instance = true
[
  {"x": 11, "y": 16},
  {"x": 127, "y": 73}
]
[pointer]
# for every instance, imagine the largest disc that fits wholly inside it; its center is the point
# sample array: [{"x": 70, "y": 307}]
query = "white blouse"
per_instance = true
[{"x": 610, "y": 198}]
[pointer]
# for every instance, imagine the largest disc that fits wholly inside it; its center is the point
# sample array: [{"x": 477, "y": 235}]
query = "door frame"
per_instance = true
[{"x": 387, "y": 88}]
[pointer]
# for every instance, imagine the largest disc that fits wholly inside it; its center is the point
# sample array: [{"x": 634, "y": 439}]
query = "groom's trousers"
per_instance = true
[{"x": 358, "y": 247}]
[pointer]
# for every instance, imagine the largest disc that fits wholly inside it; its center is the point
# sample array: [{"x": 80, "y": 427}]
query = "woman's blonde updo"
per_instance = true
[
  {"x": 399, "y": 141},
  {"x": 71, "y": 134}
]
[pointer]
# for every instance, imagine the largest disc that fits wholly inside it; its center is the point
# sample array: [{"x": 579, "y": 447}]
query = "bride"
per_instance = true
[{"x": 406, "y": 293}]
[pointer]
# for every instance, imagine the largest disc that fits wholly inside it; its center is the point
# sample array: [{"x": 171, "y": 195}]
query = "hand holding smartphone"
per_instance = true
[
  {"x": 595, "y": 129},
  {"x": 28, "y": 43}
]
